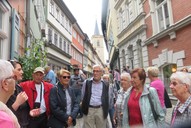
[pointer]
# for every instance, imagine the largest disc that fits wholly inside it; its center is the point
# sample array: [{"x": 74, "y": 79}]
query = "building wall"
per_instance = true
[
  {"x": 181, "y": 43},
  {"x": 58, "y": 23},
  {"x": 180, "y": 9},
  {"x": 77, "y": 49},
  {"x": 59, "y": 42}
]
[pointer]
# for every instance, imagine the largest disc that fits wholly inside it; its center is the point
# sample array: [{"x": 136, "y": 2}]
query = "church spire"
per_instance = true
[{"x": 96, "y": 30}]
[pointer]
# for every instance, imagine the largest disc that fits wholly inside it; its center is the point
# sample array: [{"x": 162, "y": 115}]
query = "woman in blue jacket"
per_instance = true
[
  {"x": 138, "y": 110},
  {"x": 63, "y": 104}
]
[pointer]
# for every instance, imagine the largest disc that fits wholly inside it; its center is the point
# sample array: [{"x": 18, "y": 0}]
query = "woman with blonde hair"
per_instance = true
[
  {"x": 156, "y": 83},
  {"x": 63, "y": 104}
]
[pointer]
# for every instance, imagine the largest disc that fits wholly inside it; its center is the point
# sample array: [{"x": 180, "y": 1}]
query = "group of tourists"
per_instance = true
[{"x": 111, "y": 100}]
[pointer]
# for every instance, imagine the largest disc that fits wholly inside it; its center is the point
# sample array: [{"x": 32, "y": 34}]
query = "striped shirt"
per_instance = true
[
  {"x": 181, "y": 113},
  {"x": 120, "y": 105}
]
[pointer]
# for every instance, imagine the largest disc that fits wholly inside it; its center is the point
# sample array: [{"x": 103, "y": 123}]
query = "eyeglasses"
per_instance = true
[
  {"x": 64, "y": 77},
  {"x": 11, "y": 77},
  {"x": 96, "y": 71}
]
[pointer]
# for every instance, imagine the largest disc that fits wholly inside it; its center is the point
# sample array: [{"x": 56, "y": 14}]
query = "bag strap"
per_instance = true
[{"x": 152, "y": 106}]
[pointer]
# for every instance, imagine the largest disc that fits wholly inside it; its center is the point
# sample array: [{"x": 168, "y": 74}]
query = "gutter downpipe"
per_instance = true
[{"x": 28, "y": 24}]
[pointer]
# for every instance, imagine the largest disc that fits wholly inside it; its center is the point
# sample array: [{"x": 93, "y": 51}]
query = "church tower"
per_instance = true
[{"x": 98, "y": 43}]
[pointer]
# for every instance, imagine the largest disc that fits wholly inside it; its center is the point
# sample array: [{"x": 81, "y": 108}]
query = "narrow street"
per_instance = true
[{"x": 168, "y": 118}]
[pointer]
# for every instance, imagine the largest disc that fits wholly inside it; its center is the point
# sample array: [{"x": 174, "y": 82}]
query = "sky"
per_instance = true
[{"x": 86, "y": 12}]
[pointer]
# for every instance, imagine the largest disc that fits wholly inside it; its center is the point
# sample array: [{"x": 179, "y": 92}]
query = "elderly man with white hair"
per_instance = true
[
  {"x": 181, "y": 88},
  {"x": 95, "y": 100},
  {"x": 7, "y": 87}
]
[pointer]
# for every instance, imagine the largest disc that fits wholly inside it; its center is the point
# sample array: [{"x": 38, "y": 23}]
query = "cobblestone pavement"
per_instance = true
[
  {"x": 168, "y": 118},
  {"x": 79, "y": 123}
]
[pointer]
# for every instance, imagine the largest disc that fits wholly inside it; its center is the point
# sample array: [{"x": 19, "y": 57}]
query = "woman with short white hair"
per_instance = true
[
  {"x": 7, "y": 87},
  {"x": 125, "y": 84},
  {"x": 181, "y": 88}
]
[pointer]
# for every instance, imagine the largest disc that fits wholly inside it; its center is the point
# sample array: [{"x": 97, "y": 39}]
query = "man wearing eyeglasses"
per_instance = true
[
  {"x": 95, "y": 100},
  {"x": 38, "y": 98},
  {"x": 76, "y": 83}
]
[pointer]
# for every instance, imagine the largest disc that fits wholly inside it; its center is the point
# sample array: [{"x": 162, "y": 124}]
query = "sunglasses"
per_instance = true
[{"x": 64, "y": 77}]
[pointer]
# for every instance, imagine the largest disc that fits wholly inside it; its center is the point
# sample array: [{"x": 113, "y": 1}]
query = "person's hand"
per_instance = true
[
  {"x": 121, "y": 115},
  {"x": 34, "y": 112},
  {"x": 21, "y": 98},
  {"x": 69, "y": 122},
  {"x": 114, "y": 121}
]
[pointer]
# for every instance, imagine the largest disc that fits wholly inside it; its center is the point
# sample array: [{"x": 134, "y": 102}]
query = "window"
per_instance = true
[
  {"x": 120, "y": 21},
  {"x": 60, "y": 44},
  {"x": 67, "y": 24},
  {"x": 62, "y": 19},
  {"x": 123, "y": 58},
  {"x": 130, "y": 56},
  {"x": 52, "y": 7},
  {"x": 140, "y": 55},
  {"x": 127, "y": 13},
  {"x": 68, "y": 48},
  {"x": 65, "y": 45},
  {"x": 50, "y": 35},
  {"x": 57, "y": 14},
  {"x": 162, "y": 14},
  {"x": 55, "y": 39},
  {"x": 136, "y": 7},
  {"x": 123, "y": 13}
]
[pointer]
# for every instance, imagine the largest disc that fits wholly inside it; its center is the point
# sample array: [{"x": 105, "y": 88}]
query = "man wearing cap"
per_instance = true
[
  {"x": 76, "y": 82},
  {"x": 38, "y": 98}
]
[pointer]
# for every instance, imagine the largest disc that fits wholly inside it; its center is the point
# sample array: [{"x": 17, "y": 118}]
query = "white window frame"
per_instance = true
[
  {"x": 166, "y": 22},
  {"x": 51, "y": 7},
  {"x": 57, "y": 14},
  {"x": 62, "y": 19}
]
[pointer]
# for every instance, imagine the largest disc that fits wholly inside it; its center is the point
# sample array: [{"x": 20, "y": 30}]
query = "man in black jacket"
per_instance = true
[{"x": 95, "y": 100}]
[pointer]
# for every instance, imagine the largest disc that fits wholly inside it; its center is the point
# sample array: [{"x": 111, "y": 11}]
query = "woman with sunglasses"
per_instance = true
[
  {"x": 63, "y": 104},
  {"x": 17, "y": 102}
]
